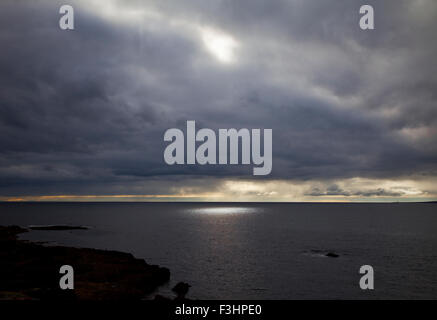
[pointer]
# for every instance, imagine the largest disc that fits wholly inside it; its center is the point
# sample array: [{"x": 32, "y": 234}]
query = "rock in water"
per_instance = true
[
  {"x": 58, "y": 227},
  {"x": 181, "y": 289},
  {"x": 332, "y": 255}
]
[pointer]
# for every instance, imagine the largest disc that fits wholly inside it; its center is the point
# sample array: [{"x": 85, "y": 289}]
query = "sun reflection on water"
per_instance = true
[{"x": 223, "y": 210}]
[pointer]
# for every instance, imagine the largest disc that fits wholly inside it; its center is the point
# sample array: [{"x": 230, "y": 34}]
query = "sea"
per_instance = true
[{"x": 257, "y": 250}]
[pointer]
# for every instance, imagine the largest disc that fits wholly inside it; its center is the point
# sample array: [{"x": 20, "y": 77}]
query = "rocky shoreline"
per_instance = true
[{"x": 30, "y": 271}]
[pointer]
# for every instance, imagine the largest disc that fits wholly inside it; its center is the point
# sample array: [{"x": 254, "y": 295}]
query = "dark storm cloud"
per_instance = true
[{"x": 85, "y": 111}]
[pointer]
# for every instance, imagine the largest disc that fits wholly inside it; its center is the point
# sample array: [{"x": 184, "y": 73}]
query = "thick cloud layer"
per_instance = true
[{"x": 84, "y": 111}]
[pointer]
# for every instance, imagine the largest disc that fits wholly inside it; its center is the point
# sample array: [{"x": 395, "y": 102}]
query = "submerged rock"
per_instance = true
[{"x": 58, "y": 227}]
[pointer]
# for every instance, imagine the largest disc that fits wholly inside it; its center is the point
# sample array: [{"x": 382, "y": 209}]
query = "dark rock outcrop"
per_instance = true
[{"x": 31, "y": 271}]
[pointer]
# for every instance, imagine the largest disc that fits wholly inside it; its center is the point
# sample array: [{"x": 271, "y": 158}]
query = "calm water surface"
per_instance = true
[{"x": 258, "y": 251}]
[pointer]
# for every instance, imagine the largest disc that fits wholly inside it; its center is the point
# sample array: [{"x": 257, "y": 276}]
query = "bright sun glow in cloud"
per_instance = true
[{"x": 220, "y": 45}]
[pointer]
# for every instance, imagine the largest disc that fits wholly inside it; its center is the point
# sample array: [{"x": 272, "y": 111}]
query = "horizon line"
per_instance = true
[
  {"x": 220, "y": 202},
  {"x": 207, "y": 198}
]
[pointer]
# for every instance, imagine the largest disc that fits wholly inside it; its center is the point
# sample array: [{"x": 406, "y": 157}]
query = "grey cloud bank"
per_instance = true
[
  {"x": 84, "y": 111},
  {"x": 233, "y": 147}
]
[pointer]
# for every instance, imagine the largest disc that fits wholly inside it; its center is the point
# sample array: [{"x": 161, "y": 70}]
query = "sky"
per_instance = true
[{"x": 83, "y": 112}]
